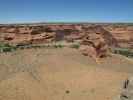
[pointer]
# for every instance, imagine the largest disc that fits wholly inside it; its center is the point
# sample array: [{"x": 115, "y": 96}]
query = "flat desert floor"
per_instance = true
[{"x": 61, "y": 74}]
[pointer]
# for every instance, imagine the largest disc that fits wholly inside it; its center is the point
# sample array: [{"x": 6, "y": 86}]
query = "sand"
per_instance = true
[{"x": 61, "y": 74}]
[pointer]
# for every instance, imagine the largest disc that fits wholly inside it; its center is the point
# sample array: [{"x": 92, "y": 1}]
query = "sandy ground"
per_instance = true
[{"x": 60, "y": 74}]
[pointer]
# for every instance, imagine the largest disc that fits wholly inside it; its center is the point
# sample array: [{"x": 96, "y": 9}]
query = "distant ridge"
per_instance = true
[{"x": 67, "y": 23}]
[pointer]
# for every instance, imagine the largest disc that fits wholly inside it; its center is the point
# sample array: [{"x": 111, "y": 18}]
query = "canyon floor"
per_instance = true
[{"x": 61, "y": 74}]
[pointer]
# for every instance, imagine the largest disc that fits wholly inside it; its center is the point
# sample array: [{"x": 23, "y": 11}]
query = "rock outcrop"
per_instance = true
[
  {"x": 106, "y": 35},
  {"x": 43, "y": 37},
  {"x": 48, "y": 33},
  {"x": 96, "y": 42},
  {"x": 94, "y": 39},
  {"x": 123, "y": 34}
]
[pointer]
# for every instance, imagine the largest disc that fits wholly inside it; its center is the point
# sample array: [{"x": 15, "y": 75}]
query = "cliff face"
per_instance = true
[
  {"x": 123, "y": 35},
  {"x": 113, "y": 35},
  {"x": 96, "y": 42},
  {"x": 11, "y": 33}
]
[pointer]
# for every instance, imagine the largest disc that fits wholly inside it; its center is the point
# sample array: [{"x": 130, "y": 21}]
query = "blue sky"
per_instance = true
[{"x": 12, "y": 11}]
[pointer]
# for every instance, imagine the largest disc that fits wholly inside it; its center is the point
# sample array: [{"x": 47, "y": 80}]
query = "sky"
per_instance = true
[{"x": 21, "y": 11}]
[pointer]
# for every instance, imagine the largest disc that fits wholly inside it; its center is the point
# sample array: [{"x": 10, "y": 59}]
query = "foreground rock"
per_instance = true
[{"x": 48, "y": 74}]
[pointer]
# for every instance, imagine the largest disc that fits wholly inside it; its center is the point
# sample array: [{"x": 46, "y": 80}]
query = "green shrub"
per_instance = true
[
  {"x": 7, "y": 49},
  {"x": 55, "y": 46},
  {"x": 123, "y": 51},
  {"x": 76, "y": 46},
  {"x": 4, "y": 47},
  {"x": 60, "y": 46}
]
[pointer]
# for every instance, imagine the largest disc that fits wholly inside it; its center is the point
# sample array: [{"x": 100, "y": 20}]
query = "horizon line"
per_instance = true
[{"x": 66, "y": 22}]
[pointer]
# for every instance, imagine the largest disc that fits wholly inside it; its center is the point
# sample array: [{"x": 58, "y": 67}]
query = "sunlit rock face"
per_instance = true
[
  {"x": 96, "y": 42},
  {"x": 48, "y": 33}
]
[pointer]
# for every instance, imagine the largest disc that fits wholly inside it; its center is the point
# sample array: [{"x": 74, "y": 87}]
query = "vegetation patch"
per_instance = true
[
  {"x": 76, "y": 46},
  {"x": 123, "y": 51},
  {"x": 5, "y": 47}
]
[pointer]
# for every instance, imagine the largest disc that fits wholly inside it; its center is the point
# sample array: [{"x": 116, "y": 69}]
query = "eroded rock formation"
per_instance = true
[
  {"x": 95, "y": 39},
  {"x": 96, "y": 42}
]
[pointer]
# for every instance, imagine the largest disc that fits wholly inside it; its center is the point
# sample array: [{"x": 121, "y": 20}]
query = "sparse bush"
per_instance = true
[
  {"x": 123, "y": 51},
  {"x": 60, "y": 46},
  {"x": 4, "y": 47},
  {"x": 55, "y": 46},
  {"x": 76, "y": 46},
  {"x": 7, "y": 49}
]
